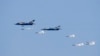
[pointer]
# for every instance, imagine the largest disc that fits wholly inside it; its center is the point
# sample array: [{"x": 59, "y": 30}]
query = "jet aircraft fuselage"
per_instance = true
[
  {"x": 52, "y": 29},
  {"x": 24, "y": 23}
]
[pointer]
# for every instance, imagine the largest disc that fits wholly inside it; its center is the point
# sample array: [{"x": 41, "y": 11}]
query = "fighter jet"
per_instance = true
[
  {"x": 79, "y": 44},
  {"x": 71, "y": 36},
  {"x": 52, "y": 29},
  {"x": 91, "y": 43},
  {"x": 25, "y": 23}
]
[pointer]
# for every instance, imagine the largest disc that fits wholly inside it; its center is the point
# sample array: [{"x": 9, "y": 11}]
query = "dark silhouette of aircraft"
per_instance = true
[
  {"x": 25, "y": 23},
  {"x": 52, "y": 29}
]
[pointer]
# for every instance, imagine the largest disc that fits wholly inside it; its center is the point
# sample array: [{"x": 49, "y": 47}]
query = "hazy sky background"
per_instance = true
[{"x": 81, "y": 17}]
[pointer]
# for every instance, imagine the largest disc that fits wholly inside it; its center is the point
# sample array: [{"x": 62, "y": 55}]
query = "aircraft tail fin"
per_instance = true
[
  {"x": 58, "y": 26},
  {"x": 32, "y": 21}
]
